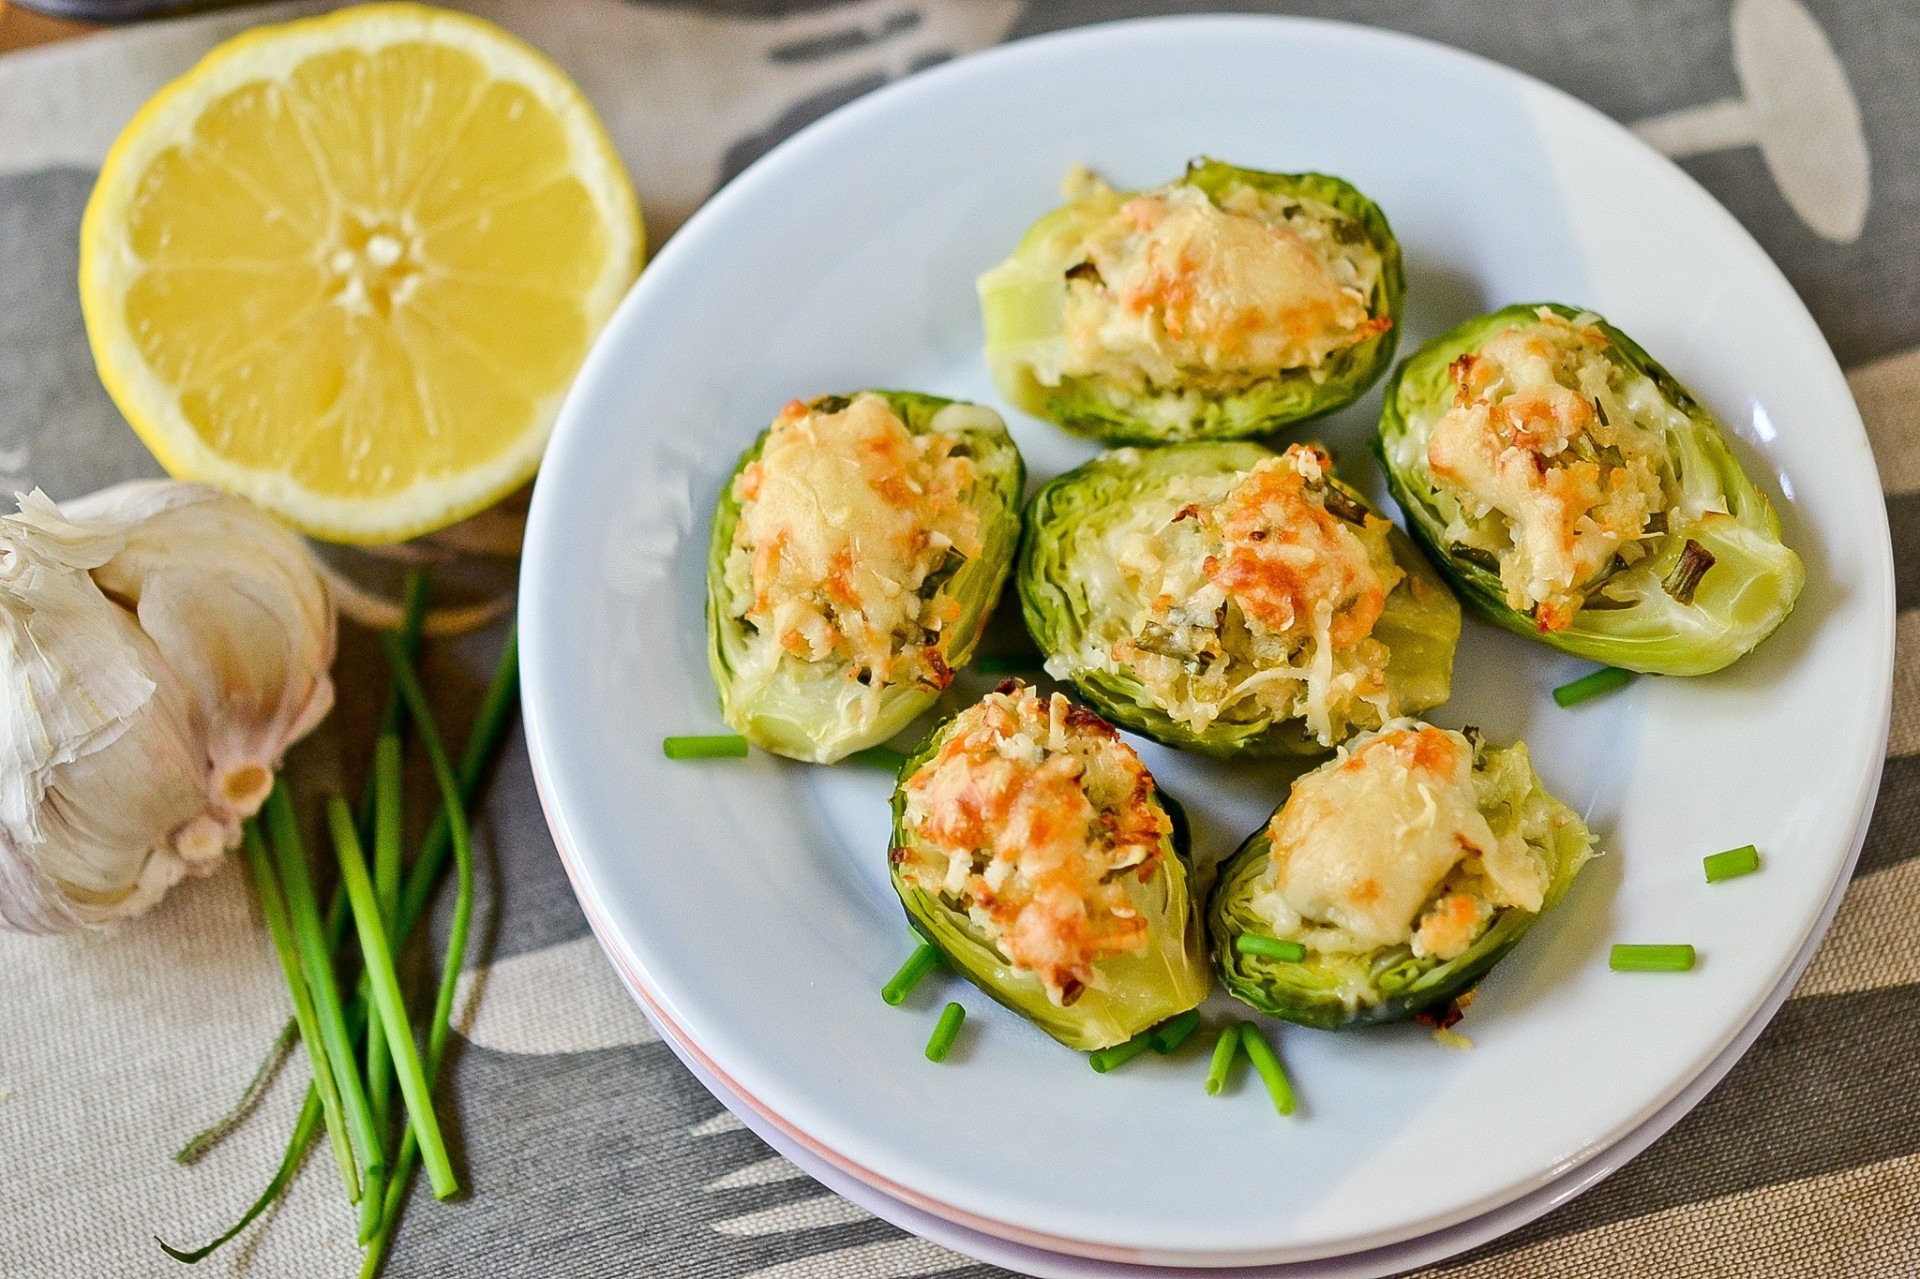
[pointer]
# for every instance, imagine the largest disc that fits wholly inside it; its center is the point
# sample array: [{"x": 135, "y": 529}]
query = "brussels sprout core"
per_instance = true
[
  {"x": 1404, "y": 868},
  {"x": 1032, "y": 847},
  {"x": 1228, "y": 599},
  {"x": 1571, "y": 489},
  {"x": 1227, "y": 303},
  {"x": 856, "y": 553}
]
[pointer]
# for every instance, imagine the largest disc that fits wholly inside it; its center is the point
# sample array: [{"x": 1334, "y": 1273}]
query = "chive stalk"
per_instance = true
[
  {"x": 1270, "y": 947},
  {"x": 1105, "y": 1059},
  {"x": 393, "y": 713},
  {"x": 924, "y": 959},
  {"x": 882, "y": 757},
  {"x": 388, "y": 815},
  {"x": 280, "y": 927},
  {"x": 1651, "y": 959},
  {"x": 1225, "y": 1049},
  {"x": 1261, "y": 1054},
  {"x": 714, "y": 746},
  {"x": 303, "y": 1130},
  {"x": 1592, "y": 685},
  {"x": 389, "y": 1005},
  {"x": 1735, "y": 862},
  {"x": 204, "y": 1140},
  {"x": 1171, "y": 1033},
  {"x": 945, "y": 1031},
  {"x": 455, "y": 807}
]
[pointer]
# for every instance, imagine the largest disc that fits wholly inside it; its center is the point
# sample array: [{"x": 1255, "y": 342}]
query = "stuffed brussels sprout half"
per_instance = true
[
  {"x": 1227, "y": 303},
  {"x": 1031, "y": 846},
  {"x": 1572, "y": 490},
  {"x": 1405, "y": 868},
  {"x": 856, "y": 552},
  {"x": 1224, "y": 598}
]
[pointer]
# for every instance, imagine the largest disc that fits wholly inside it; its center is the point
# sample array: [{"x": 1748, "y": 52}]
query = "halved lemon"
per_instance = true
[{"x": 347, "y": 266}]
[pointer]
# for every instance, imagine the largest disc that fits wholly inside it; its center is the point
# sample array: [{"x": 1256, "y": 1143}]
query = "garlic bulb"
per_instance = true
[{"x": 161, "y": 645}]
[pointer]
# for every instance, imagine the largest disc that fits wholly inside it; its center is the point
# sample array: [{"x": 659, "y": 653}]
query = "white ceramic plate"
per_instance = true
[{"x": 748, "y": 901}]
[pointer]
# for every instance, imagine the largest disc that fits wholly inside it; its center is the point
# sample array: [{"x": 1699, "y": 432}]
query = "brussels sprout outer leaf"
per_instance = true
[
  {"x": 1741, "y": 600},
  {"x": 1023, "y": 302},
  {"x": 1139, "y": 990},
  {"x": 800, "y": 711},
  {"x": 1420, "y": 627},
  {"x": 1339, "y": 992}
]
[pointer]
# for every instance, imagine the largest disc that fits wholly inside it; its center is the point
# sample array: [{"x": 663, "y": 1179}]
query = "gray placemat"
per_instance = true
[{"x": 590, "y": 1150}]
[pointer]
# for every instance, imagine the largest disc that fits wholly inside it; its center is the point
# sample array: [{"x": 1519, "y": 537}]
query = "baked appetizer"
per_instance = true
[
  {"x": 1228, "y": 303},
  {"x": 857, "y": 549},
  {"x": 1572, "y": 490},
  {"x": 1031, "y": 846},
  {"x": 1399, "y": 871},
  {"x": 1231, "y": 600}
]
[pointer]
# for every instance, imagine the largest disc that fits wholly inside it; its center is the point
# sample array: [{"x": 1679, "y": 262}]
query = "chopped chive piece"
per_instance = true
[
  {"x": 1735, "y": 861},
  {"x": 922, "y": 961},
  {"x": 717, "y": 746},
  {"x": 1105, "y": 1059},
  {"x": 1270, "y": 948},
  {"x": 1260, "y": 1053},
  {"x": 1225, "y": 1049},
  {"x": 1651, "y": 959},
  {"x": 1170, "y": 1034},
  {"x": 1007, "y": 663},
  {"x": 877, "y": 757},
  {"x": 945, "y": 1031},
  {"x": 1592, "y": 684}
]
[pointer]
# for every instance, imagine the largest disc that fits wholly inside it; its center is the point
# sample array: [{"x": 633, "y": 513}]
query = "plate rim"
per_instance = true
[{"x": 883, "y": 99}]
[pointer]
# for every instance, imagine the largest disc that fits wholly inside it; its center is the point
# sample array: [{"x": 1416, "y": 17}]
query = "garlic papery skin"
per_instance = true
[{"x": 161, "y": 644}]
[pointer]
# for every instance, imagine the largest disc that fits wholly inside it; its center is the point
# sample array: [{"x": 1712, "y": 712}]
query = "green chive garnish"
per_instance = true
[
  {"x": 717, "y": 746},
  {"x": 1651, "y": 959},
  {"x": 1105, "y": 1059},
  {"x": 945, "y": 1032},
  {"x": 1270, "y": 947},
  {"x": 1592, "y": 684},
  {"x": 884, "y": 757},
  {"x": 1260, "y": 1053},
  {"x": 1170, "y": 1034},
  {"x": 922, "y": 961},
  {"x": 1007, "y": 663},
  {"x": 1743, "y": 860},
  {"x": 1225, "y": 1049}
]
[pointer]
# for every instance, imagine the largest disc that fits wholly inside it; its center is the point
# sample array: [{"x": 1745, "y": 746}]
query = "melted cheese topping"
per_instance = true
[
  {"x": 1254, "y": 599},
  {"x": 1178, "y": 291},
  {"x": 845, "y": 518},
  {"x": 1386, "y": 845},
  {"x": 1028, "y": 817},
  {"x": 1553, "y": 454}
]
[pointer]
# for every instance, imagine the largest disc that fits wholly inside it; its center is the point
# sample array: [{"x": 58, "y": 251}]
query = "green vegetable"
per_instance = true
[
  {"x": 816, "y": 711},
  {"x": 1136, "y": 989},
  {"x": 1592, "y": 685},
  {"x": 1025, "y": 301},
  {"x": 1715, "y": 579},
  {"x": 316, "y": 966},
  {"x": 945, "y": 1031},
  {"x": 1651, "y": 959},
  {"x": 881, "y": 757},
  {"x": 922, "y": 961},
  {"x": 1225, "y": 1049},
  {"x": 388, "y": 1003},
  {"x": 1104, "y": 1059},
  {"x": 714, "y": 746},
  {"x": 304, "y": 1127},
  {"x": 1261, "y": 1054},
  {"x": 1732, "y": 863},
  {"x": 1169, "y": 1035},
  {"x": 1291, "y": 952},
  {"x": 1078, "y": 604},
  {"x": 1333, "y": 990}
]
